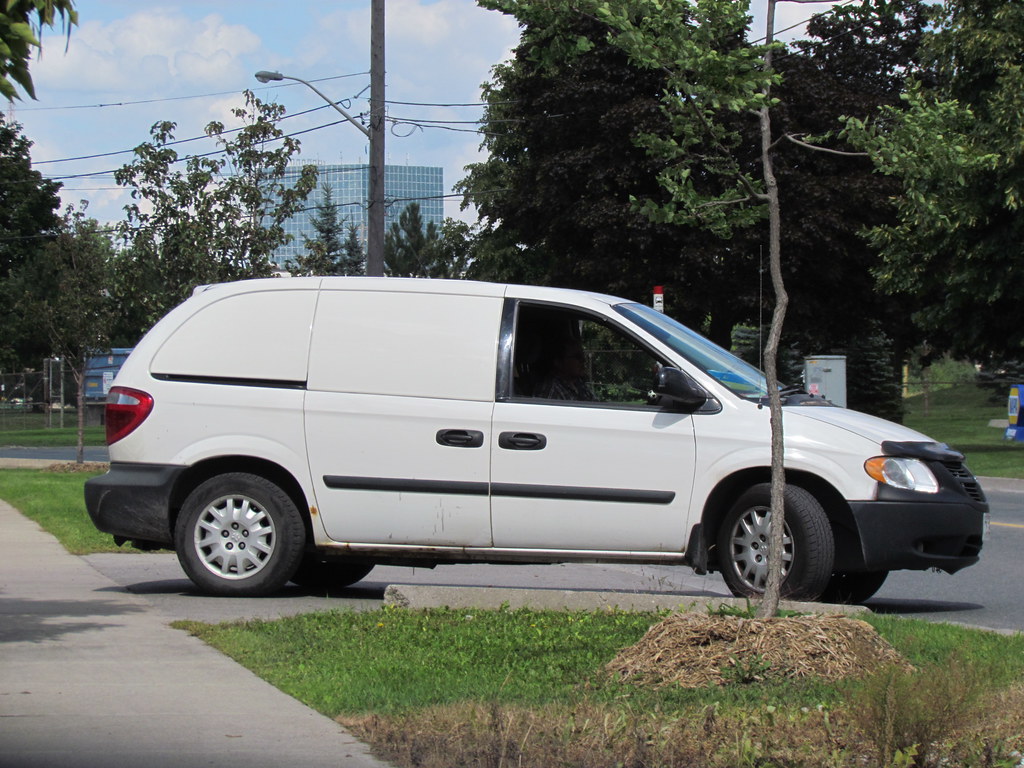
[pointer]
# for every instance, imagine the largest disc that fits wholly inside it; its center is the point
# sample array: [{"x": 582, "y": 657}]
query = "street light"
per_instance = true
[
  {"x": 375, "y": 211},
  {"x": 265, "y": 77}
]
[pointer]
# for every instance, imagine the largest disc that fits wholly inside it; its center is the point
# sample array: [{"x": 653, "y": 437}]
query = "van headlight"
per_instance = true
[{"x": 899, "y": 472}]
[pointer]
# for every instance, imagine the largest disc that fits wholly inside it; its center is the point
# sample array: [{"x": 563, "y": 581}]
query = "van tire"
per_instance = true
[
  {"x": 808, "y": 543},
  {"x": 329, "y": 574},
  {"x": 853, "y": 588},
  {"x": 239, "y": 535}
]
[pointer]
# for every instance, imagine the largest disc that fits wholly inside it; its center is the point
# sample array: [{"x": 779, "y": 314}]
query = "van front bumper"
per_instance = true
[
  {"x": 133, "y": 501},
  {"x": 920, "y": 535}
]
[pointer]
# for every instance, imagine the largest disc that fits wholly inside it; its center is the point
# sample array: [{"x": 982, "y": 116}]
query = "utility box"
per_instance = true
[
  {"x": 1015, "y": 428},
  {"x": 825, "y": 375},
  {"x": 100, "y": 371}
]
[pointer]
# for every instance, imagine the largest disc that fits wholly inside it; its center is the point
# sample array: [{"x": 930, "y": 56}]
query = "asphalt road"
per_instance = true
[
  {"x": 985, "y": 595},
  {"x": 989, "y": 594},
  {"x": 91, "y": 453}
]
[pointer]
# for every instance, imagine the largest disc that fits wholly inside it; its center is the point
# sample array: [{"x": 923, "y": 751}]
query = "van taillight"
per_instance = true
[{"x": 126, "y": 409}]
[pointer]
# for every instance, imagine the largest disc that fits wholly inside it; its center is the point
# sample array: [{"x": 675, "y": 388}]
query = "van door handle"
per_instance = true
[
  {"x": 521, "y": 441},
  {"x": 460, "y": 438}
]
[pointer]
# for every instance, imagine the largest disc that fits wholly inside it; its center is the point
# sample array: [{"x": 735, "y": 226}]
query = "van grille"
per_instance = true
[{"x": 967, "y": 481}]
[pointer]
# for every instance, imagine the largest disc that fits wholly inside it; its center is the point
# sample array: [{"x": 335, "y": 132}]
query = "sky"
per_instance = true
[{"x": 130, "y": 64}]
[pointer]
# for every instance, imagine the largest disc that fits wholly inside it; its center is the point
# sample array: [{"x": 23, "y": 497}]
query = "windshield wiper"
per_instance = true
[{"x": 796, "y": 395}]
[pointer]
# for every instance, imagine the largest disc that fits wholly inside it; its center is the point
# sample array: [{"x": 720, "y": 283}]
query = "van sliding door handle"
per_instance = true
[
  {"x": 522, "y": 441},
  {"x": 460, "y": 438}
]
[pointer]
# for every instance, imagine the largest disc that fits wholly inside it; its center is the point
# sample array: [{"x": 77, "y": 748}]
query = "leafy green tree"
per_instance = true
[
  {"x": 955, "y": 149},
  {"x": 325, "y": 251},
  {"x": 67, "y": 289},
  {"x": 28, "y": 202},
  {"x": 849, "y": 64},
  {"x": 712, "y": 77},
  {"x": 453, "y": 250},
  {"x": 218, "y": 219},
  {"x": 555, "y": 193},
  {"x": 28, "y": 219},
  {"x": 21, "y": 25}
]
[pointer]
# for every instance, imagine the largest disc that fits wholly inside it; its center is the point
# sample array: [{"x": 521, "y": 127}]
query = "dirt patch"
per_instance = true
[
  {"x": 85, "y": 466},
  {"x": 695, "y": 650}
]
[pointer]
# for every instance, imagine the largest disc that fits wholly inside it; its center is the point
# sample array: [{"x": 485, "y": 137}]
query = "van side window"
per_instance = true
[{"x": 570, "y": 356}]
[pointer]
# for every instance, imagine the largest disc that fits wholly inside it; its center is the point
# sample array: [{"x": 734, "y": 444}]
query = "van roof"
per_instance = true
[{"x": 410, "y": 285}]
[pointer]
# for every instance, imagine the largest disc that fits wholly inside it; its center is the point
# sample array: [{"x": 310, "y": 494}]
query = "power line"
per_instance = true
[
  {"x": 168, "y": 144},
  {"x": 166, "y": 98}
]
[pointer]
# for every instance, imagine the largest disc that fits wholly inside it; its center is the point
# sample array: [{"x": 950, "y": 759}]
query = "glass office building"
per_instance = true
[{"x": 350, "y": 190}]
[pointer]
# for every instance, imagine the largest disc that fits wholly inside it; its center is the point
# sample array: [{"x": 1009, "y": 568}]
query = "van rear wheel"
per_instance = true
[
  {"x": 239, "y": 534},
  {"x": 808, "y": 546}
]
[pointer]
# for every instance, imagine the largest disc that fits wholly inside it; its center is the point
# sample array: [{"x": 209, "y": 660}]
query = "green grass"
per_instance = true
[
  {"x": 960, "y": 416},
  {"x": 390, "y": 660},
  {"x": 52, "y": 437},
  {"x": 55, "y": 500},
  {"x": 445, "y": 687},
  {"x": 394, "y": 660}
]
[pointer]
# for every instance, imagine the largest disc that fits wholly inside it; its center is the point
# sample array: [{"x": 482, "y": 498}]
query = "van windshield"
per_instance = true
[{"x": 742, "y": 378}]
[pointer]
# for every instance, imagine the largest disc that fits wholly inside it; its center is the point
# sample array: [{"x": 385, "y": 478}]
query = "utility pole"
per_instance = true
[{"x": 375, "y": 211}]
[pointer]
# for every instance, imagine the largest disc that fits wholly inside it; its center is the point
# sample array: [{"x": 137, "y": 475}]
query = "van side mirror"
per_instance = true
[{"x": 679, "y": 389}]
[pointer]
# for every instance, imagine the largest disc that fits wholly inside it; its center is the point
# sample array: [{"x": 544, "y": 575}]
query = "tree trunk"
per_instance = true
[
  {"x": 770, "y": 604},
  {"x": 78, "y": 371}
]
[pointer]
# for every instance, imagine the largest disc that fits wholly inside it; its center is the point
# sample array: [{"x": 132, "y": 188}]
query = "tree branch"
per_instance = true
[{"x": 816, "y": 148}]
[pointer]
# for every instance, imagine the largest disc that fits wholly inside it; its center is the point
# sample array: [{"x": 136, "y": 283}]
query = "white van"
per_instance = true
[{"x": 307, "y": 429}]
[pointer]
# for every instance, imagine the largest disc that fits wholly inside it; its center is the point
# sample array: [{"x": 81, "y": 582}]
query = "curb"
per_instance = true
[
  {"x": 1001, "y": 484},
  {"x": 417, "y": 597}
]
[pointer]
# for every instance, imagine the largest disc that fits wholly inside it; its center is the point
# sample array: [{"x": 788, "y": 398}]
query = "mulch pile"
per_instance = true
[
  {"x": 693, "y": 650},
  {"x": 85, "y": 466}
]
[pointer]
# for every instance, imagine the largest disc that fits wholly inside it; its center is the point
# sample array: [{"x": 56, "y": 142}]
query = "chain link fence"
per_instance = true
[{"x": 38, "y": 399}]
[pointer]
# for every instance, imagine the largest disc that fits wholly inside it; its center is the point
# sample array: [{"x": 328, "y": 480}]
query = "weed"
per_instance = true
[
  {"x": 742, "y": 670},
  {"x": 906, "y": 713}
]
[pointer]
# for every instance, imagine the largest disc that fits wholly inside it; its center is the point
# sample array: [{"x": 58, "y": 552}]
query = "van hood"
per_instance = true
[{"x": 870, "y": 427}]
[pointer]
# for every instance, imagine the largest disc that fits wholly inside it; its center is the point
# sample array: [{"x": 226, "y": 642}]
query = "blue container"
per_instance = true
[
  {"x": 100, "y": 372},
  {"x": 1015, "y": 430}
]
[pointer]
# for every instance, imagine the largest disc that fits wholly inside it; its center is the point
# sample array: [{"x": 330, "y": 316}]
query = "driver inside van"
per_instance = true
[{"x": 565, "y": 379}]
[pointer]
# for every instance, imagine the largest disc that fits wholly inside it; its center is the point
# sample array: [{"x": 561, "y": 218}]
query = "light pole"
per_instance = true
[{"x": 375, "y": 208}]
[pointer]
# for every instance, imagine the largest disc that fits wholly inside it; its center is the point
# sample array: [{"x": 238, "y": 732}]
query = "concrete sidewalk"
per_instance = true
[{"x": 93, "y": 677}]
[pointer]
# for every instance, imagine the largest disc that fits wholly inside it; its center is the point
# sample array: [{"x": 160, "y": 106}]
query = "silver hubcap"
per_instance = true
[
  {"x": 750, "y": 548},
  {"x": 234, "y": 537}
]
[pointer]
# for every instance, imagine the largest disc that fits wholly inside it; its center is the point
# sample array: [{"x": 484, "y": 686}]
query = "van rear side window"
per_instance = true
[
  {"x": 406, "y": 344},
  {"x": 257, "y": 336}
]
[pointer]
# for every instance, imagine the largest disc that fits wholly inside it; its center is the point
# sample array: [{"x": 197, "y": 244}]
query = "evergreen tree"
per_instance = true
[
  {"x": 325, "y": 251},
  {"x": 409, "y": 246},
  {"x": 353, "y": 259}
]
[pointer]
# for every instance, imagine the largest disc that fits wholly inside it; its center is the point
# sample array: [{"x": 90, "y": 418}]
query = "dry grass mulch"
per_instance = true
[
  {"x": 695, "y": 650},
  {"x": 73, "y": 466}
]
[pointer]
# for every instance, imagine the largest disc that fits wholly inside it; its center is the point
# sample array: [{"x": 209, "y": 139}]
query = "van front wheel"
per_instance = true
[
  {"x": 808, "y": 546},
  {"x": 239, "y": 535}
]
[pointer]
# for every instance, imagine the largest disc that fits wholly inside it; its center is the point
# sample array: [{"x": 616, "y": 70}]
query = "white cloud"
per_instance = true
[
  {"x": 152, "y": 49},
  {"x": 154, "y": 56}
]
